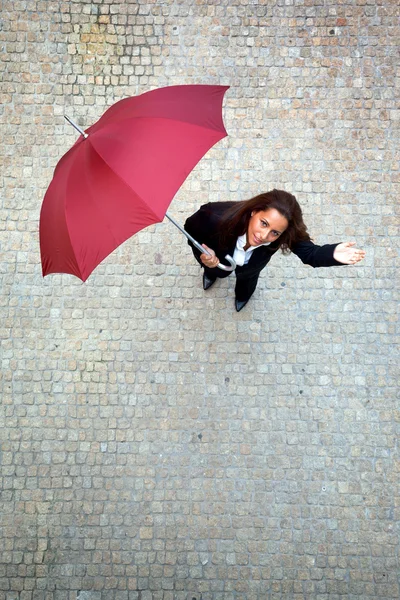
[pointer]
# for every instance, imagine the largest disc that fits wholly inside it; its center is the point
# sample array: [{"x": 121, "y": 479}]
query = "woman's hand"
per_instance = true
[
  {"x": 209, "y": 261},
  {"x": 346, "y": 254}
]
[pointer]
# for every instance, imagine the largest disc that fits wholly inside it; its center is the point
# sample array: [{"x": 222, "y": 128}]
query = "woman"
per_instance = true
[{"x": 252, "y": 231}]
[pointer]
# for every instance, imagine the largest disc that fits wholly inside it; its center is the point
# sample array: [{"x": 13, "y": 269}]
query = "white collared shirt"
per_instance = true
[{"x": 241, "y": 256}]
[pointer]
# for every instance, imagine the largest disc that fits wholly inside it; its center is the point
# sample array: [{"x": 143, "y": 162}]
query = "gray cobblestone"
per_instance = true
[{"x": 155, "y": 445}]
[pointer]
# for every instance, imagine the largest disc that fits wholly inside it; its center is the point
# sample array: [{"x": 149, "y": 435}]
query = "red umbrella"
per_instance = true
[{"x": 122, "y": 174}]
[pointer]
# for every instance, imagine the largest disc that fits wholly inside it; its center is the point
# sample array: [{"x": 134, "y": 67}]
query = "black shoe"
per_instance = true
[
  {"x": 239, "y": 304},
  {"x": 207, "y": 282}
]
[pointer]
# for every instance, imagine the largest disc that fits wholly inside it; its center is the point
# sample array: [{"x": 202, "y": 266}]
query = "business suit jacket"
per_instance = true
[{"x": 204, "y": 226}]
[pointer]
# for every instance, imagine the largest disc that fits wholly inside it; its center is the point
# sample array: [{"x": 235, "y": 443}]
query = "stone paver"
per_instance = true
[{"x": 155, "y": 445}]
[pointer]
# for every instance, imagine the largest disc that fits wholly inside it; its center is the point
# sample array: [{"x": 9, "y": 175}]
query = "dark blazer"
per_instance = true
[{"x": 204, "y": 225}]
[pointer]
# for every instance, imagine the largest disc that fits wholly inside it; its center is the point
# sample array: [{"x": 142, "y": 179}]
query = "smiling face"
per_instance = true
[{"x": 265, "y": 226}]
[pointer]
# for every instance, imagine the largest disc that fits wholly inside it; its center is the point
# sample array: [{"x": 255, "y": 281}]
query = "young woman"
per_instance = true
[{"x": 251, "y": 232}]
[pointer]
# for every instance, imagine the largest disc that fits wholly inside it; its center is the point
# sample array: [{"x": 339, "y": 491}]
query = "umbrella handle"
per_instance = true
[
  {"x": 224, "y": 267},
  {"x": 203, "y": 250}
]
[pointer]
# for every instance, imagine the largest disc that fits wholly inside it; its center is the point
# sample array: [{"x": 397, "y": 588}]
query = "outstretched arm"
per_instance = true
[
  {"x": 346, "y": 254},
  {"x": 328, "y": 255}
]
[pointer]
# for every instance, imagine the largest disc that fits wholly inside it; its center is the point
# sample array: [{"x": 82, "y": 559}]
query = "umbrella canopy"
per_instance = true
[{"x": 122, "y": 176}]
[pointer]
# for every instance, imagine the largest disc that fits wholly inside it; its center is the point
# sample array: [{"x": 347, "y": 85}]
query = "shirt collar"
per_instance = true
[{"x": 242, "y": 240}]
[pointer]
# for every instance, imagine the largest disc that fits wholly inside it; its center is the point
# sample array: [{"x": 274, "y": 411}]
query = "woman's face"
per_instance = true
[{"x": 265, "y": 226}]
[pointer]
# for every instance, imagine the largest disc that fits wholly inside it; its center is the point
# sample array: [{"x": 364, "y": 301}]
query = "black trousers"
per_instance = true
[{"x": 245, "y": 283}]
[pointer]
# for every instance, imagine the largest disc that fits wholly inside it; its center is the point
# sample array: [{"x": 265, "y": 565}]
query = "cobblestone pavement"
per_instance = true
[{"x": 155, "y": 444}]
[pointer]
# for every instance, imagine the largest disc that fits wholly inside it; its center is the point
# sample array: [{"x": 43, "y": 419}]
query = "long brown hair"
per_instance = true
[{"x": 236, "y": 220}]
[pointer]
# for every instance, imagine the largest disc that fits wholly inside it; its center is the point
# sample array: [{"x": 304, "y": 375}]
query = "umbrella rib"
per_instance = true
[
  {"x": 128, "y": 186},
  {"x": 206, "y": 127},
  {"x": 149, "y": 208},
  {"x": 104, "y": 218}
]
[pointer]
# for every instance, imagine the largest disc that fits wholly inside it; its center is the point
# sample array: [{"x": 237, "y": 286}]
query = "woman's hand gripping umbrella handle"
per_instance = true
[{"x": 201, "y": 248}]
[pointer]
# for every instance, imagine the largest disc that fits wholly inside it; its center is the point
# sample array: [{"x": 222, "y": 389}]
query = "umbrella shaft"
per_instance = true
[
  {"x": 85, "y": 135},
  {"x": 189, "y": 237}
]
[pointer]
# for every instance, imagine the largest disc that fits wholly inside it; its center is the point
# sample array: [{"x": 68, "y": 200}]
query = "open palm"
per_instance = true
[{"x": 346, "y": 254}]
